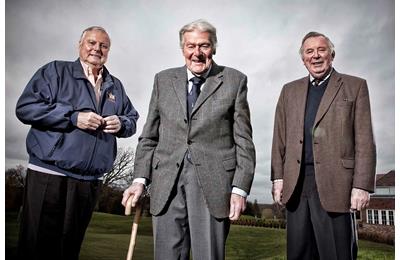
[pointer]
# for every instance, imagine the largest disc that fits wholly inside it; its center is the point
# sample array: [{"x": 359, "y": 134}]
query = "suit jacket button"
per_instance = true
[
  {"x": 185, "y": 120},
  {"x": 189, "y": 142},
  {"x": 301, "y": 141},
  {"x": 177, "y": 165},
  {"x": 298, "y": 161}
]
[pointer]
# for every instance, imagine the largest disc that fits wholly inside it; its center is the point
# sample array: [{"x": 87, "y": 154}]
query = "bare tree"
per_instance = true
[
  {"x": 15, "y": 176},
  {"x": 14, "y": 186},
  {"x": 121, "y": 174}
]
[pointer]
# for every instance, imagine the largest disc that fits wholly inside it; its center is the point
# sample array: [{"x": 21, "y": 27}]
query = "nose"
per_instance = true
[
  {"x": 197, "y": 51},
  {"x": 96, "y": 47},
  {"x": 316, "y": 54}
]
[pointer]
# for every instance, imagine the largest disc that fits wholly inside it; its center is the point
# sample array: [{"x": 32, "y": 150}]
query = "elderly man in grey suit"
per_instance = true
[
  {"x": 323, "y": 155},
  {"x": 196, "y": 149}
]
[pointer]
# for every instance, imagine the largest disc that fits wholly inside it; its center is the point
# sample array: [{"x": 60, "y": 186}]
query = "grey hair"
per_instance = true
[
  {"x": 203, "y": 26},
  {"x": 317, "y": 34},
  {"x": 94, "y": 28}
]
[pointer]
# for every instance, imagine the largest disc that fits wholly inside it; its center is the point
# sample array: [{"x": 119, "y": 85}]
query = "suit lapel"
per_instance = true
[
  {"x": 213, "y": 81},
  {"x": 301, "y": 101},
  {"x": 180, "y": 87},
  {"x": 335, "y": 82}
]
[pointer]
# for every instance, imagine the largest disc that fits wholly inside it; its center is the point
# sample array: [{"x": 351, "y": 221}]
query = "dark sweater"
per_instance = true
[{"x": 314, "y": 97}]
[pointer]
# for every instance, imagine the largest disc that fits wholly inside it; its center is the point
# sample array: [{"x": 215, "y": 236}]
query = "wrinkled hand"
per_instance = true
[
  {"x": 112, "y": 124},
  {"x": 89, "y": 121},
  {"x": 136, "y": 189},
  {"x": 277, "y": 188},
  {"x": 359, "y": 199},
  {"x": 238, "y": 205}
]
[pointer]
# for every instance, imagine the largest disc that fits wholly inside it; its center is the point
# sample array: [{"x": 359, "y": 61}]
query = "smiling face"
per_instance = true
[
  {"x": 317, "y": 56},
  {"x": 94, "y": 47},
  {"x": 198, "y": 51}
]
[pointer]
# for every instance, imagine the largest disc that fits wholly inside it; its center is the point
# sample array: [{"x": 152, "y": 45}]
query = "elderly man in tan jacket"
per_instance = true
[{"x": 323, "y": 155}]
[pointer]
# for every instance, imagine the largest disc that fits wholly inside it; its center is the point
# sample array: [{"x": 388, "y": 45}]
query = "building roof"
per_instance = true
[
  {"x": 381, "y": 203},
  {"x": 385, "y": 180}
]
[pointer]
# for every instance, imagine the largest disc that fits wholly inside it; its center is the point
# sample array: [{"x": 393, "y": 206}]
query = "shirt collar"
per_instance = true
[
  {"x": 323, "y": 80},
  {"x": 190, "y": 75},
  {"x": 89, "y": 71}
]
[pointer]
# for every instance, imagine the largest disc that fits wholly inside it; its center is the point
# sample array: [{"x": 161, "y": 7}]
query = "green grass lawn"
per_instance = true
[{"x": 107, "y": 238}]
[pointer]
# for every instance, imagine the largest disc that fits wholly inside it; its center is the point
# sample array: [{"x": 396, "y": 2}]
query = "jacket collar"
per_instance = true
[
  {"x": 78, "y": 73},
  {"x": 179, "y": 83},
  {"x": 213, "y": 81},
  {"x": 301, "y": 93},
  {"x": 334, "y": 84}
]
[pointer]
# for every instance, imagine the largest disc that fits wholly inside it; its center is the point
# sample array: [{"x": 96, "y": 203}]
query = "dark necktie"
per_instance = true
[
  {"x": 316, "y": 82},
  {"x": 194, "y": 93},
  {"x": 191, "y": 100}
]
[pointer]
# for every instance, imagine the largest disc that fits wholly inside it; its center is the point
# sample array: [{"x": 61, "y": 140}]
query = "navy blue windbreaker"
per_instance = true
[{"x": 50, "y": 103}]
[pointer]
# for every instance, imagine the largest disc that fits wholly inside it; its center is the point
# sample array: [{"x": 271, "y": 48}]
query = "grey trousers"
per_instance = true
[{"x": 186, "y": 224}]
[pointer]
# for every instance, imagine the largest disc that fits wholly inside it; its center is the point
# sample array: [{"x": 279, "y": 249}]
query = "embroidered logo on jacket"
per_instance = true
[{"x": 110, "y": 97}]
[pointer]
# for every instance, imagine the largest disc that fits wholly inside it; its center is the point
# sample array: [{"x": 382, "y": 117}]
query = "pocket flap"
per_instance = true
[
  {"x": 348, "y": 163},
  {"x": 229, "y": 164}
]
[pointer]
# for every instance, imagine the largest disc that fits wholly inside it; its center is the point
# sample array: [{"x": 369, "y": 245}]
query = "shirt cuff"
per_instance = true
[
  {"x": 140, "y": 180},
  {"x": 240, "y": 192},
  {"x": 277, "y": 180}
]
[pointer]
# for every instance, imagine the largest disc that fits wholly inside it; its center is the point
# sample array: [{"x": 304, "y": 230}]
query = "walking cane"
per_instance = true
[
  {"x": 355, "y": 235},
  {"x": 135, "y": 224}
]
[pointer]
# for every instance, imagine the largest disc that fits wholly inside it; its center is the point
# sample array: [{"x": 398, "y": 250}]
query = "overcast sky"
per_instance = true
[{"x": 260, "y": 38}]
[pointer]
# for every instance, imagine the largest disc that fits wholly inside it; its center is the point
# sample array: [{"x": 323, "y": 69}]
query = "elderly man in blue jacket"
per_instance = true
[{"x": 76, "y": 110}]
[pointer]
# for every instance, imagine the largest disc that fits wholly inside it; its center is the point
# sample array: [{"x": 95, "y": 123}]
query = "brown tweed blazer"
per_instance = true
[{"x": 343, "y": 143}]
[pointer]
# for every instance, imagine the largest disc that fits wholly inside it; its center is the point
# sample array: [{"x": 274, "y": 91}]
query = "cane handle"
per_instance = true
[{"x": 128, "y": 207}]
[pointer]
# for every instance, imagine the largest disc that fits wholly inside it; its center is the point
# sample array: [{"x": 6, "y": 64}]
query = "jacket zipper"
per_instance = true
[{"x": 98, "y": 109}]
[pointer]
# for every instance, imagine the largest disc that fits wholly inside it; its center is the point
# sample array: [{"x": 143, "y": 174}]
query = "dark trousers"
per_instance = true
[
  {"x": 313, "y": 233},
  {"x": 186, "y": 227},
  {"x": 55, "y": 215}
]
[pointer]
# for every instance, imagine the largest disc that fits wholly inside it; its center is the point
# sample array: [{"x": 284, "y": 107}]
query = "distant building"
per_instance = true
[{"x": 382, "y": 203}]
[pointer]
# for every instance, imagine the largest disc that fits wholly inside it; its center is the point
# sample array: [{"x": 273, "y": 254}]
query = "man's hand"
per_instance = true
[
  {"x": 277, "y": 188},
  {"x": 238, "y": 205},
  {"x": 112, "y": 124},
  {"x": 89, "y": 121},
  {"x": 359, "y": 199},
  {"x": 136, "y": 189}
]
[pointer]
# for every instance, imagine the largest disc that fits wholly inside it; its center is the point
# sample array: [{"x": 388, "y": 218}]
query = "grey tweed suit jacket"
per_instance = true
[{"x": 218, "y": 134}]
